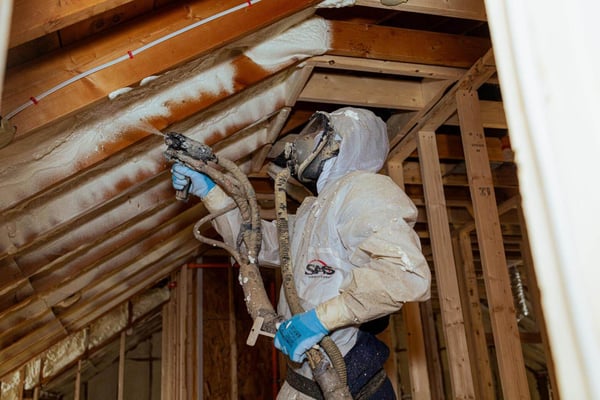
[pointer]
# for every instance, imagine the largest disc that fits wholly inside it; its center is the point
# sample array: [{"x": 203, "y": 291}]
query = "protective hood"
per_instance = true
[{"x": 364, "y": 145}]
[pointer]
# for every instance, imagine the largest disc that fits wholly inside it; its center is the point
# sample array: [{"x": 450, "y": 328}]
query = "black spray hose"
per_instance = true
[{"x": 336, "y": 379}]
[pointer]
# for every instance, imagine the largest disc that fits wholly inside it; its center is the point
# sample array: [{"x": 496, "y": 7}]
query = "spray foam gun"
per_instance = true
[
  {"x": 200, "y": 157},
  {"x": 232, "y": 180}
]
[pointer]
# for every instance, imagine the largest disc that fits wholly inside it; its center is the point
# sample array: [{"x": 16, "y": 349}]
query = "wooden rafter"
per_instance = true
[
  {"x": 35, "y": 18},
  {"x": 406, "y": 45}
]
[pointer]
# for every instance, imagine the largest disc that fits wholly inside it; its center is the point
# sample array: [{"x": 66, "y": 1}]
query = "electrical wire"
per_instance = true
[{"x": 130, "y": 55}]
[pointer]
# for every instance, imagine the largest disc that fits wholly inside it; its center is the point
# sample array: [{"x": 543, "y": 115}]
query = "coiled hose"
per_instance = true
[{"x": 236, "y": 184}]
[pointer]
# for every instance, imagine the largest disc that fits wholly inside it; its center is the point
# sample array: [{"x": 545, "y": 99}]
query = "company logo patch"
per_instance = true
[{"x": 318, "y": 268}]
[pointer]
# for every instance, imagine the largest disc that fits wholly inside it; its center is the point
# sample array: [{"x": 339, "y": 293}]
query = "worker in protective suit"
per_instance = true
[{"x": 355, "y": 255}]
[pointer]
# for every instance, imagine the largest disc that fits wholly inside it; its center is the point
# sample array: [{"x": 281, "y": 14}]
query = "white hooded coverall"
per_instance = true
[{"x": 354, "y": 252}]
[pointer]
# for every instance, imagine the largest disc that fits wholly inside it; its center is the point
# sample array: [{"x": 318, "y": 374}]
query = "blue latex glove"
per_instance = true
[
  {"x": 201, "y": 183},
  {"x": 298, "y": 334}
]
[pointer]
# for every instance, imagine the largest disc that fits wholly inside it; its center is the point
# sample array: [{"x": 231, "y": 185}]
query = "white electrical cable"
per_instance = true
[{"x": 128, "y": 56}]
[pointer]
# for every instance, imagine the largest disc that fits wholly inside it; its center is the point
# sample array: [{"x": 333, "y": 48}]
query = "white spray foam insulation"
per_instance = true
[
  {"x": 29, "y": 165},
  {"x": 116, "y": 93},
  {"x": 308, "y": 38},
  {"x": 336, "y": 3}
]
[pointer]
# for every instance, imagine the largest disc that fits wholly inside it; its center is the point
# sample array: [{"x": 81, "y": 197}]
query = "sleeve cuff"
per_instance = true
[
  {"x": 334, "y": 314},
  {"x": 216, "y": 200}
]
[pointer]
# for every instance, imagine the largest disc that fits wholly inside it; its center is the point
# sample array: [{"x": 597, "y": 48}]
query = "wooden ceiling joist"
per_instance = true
[
  {"x": 406, "y": 45},
  {"x": 492, "y": 115},
  {"x": 386, "y": 67},
  {"x": 382, "y": 92},
  {"x": 467, "y": 9}
]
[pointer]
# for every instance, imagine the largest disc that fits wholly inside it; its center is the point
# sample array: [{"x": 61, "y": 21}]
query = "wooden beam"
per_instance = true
[
  {"x": 31, "y": 80},
  {"x": 478, "y": 350},
  {"x": 387, "y": 67},
  {"x": 35, "y": 18},
  {"x": 404, "y": 142},
  {"x": 432, "y": 350},
  {"x": 467, "y": 9},
  {"x": 232, "y": 328},
  {"x": 398, "y": 44},
  {"x": 417, "y": 356},
  {"x": 182, "y": 343},
  {"x": 445, "y": 269},
  {"x": 492, "y": 115},
  {"x": 165, "y": 367},
  {"x": 336, "y": 88},
  {"x": 511, "y": 364},
  {"x": 121, "y": 373}
]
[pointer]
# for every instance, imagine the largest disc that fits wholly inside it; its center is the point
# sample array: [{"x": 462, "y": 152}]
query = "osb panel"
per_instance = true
[
  {"x": 254, "y": 365},
  {"x": 216, "y": 364}
]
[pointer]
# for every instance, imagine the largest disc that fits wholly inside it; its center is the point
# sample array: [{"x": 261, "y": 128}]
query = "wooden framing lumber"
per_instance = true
[
  {"x": 165, "y": 367},
  {"x": 417, "y": 358},
  {"x": 388, "y": 67},
  {"x": 337, "y": 88},
  {"x": 121, "y": 373},
  {"x": 232, "y": 322},
  {"x": 36, "y": 18},
  {"x": 445, "y": 270},
  {"x": 478, "y": 349},
  {"x": 432, "y": 350},
  {"x": 398, "y": 44},
  {"x": 511, "y": 364},
  {"x": 492, "y": 115},
  {"x": 467, "y": 9}
]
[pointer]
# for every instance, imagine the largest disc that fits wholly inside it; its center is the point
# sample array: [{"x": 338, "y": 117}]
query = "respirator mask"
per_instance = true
[{"x": 314, "y": 145}]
